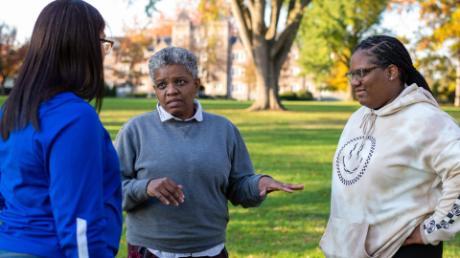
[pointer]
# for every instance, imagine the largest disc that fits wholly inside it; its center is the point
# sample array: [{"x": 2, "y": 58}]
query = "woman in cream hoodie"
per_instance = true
[{"x": 396, "y": 171}]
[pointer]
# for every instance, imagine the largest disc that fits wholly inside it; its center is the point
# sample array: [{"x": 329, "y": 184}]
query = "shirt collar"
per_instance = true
[{"x": 165, "y": 116}]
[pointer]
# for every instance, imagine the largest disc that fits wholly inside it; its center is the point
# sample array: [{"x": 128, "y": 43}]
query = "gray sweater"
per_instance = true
[{"x": 209, "y": 159}]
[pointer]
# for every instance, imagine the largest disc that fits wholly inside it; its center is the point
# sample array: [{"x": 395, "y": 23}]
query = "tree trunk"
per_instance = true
[
  {"x": 457, "y": 87},
  {"x": 2, "y": 85},
  {"x": 266, "y": 47},
  {"x": 267, "y": 92},
  {"x": 267, "y": 80}
]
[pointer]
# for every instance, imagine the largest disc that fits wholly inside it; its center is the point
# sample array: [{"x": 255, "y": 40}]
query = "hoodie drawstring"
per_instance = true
[{"x": 368, "y": 125}]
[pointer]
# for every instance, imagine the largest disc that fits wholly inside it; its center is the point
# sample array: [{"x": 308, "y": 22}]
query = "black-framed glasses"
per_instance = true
[
  {"x": 360, "y": 73},
  {"x": 107, "y": 45}
]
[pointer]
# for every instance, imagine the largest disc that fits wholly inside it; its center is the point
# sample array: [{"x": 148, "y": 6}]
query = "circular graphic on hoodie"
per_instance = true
[{"x": 353, "y": 158}]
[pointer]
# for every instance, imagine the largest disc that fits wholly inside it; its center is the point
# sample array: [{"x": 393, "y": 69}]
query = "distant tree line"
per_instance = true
[
  {"x": 325, "y": 31},
  {"x": 11, "y": 55}
]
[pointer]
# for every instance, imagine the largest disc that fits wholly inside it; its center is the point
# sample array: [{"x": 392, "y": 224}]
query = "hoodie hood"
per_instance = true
[{"x": 411, "y": 94}]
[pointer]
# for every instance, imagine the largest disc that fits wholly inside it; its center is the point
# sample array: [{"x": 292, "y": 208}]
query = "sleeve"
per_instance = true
[
  {"x": 444, "y": 223},
  {"x": 134, "y": 190},
  {"x": 2, "y": 200},
  {"x": 243, "y": 186},
  {"x": 76, "y": 170}
]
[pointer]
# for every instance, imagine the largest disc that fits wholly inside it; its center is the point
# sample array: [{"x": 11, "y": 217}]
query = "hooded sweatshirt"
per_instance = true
[{"x": 395, "y": 168}]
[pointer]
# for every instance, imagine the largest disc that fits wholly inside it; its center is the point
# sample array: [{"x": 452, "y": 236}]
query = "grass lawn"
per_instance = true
[{"x": 293, "y": 146}]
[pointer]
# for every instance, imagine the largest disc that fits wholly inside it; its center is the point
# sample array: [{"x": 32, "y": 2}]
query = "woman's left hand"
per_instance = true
[
  {"x": 268, "y": 185},
  {"x": 414, "y": 238}
]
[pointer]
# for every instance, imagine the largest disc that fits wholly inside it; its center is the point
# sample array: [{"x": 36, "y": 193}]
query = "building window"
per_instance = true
[
  {"x": 242, "y": 56},
  {"x": 240, "y": 88},
  {"x": 295, "y": 71},
  {"x": 295, "y": 87},
  {"x": 236, "y": 71}
]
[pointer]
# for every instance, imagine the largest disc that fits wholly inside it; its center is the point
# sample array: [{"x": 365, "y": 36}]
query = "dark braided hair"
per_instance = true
[{"x": 389, "y": 50}]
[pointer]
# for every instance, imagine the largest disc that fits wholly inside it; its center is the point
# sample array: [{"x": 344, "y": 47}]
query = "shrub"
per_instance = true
[
  {"x": 288, "y": 95},
  {"x": 299, "y": 95},
  {"x": 140, "y": 95}
]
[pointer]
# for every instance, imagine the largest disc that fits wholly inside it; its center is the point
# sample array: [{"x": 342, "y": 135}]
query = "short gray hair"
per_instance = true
[{"x": 172, "y": 56}]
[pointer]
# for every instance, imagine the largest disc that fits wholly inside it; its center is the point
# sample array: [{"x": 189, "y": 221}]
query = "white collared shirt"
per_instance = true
[
  {"x": 165, "y": 116},
  {"x": 213, "y": 251}
]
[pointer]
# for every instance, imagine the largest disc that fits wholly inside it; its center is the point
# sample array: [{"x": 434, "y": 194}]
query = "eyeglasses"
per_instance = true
[
  {"x": 359, "y": 74},
  {"x": 107, "y": 45}
]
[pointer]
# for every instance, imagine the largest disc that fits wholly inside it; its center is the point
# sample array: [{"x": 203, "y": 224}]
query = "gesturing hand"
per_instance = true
[
  {"x": 166, "y": 190},
  {"x": 414, "y": 238},
  {"x": 268, "y": 185}
]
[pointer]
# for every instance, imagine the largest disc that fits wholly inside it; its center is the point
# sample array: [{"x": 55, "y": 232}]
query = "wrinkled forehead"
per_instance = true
[{"x": 171, "y": 70}]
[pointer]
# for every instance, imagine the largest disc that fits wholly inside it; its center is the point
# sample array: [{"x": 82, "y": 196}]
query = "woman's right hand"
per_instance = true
[{"x": 166, "y": 190}]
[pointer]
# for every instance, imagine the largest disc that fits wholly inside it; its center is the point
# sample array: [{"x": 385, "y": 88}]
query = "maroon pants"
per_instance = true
[{"x": 142, "y": 252}]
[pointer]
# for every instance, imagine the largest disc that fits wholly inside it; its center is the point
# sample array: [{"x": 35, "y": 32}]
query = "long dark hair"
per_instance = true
[
  {"x": 64, "y": 55},
  {"x": 388, "y": 50}
]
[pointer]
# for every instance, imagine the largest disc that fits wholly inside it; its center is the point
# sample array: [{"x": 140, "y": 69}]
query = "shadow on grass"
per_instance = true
[
  {"x": 323, "y": 107},
  {"x": 320, "y": 121},
  {"x": 291, "y": 136}
]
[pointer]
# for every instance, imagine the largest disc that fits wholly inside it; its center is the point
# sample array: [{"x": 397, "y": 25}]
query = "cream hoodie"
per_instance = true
[{"x": 394, "y": 168}]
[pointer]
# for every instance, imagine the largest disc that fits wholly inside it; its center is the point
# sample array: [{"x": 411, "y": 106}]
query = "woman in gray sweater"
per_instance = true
[{"x": 180, "y": 165}]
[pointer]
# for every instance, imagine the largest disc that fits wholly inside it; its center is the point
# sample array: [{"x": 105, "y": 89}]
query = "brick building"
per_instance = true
[{"x": 223, "y": 63}]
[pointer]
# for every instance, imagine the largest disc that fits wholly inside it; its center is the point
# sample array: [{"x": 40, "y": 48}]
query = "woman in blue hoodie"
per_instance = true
[{"x": 60, "y": 190}]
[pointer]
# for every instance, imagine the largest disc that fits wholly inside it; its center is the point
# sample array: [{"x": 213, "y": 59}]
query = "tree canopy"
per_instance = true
[
  {"x": 443, "y": 17},
  {"x": 11, "y": 54},
  {"x": 330, "y": 30}
]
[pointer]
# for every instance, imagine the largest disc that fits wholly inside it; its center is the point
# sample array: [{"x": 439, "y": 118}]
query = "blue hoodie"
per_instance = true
[{"x": 60, "y": 189}]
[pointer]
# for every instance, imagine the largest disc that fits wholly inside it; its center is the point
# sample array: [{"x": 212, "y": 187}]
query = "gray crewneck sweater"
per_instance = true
[{"x": 209, "y": 159}]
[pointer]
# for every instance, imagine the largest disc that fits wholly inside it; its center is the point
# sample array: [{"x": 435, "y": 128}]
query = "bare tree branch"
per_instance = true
[
  {"x": 246, "y": 37},
  {"x": 257, "y": 15},
  {"x": 251, "y": 5},
  {"x": 283, "y": 49},
  {"x": 291, "y": 5},
  {"x": 286, "y": 37},
  {"x": 274, "y": 18},
  {"x": 248, "y": 20}
]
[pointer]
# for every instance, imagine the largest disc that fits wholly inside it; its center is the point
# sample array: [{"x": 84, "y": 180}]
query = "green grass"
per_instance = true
[{"x": 294, "y": 146}]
